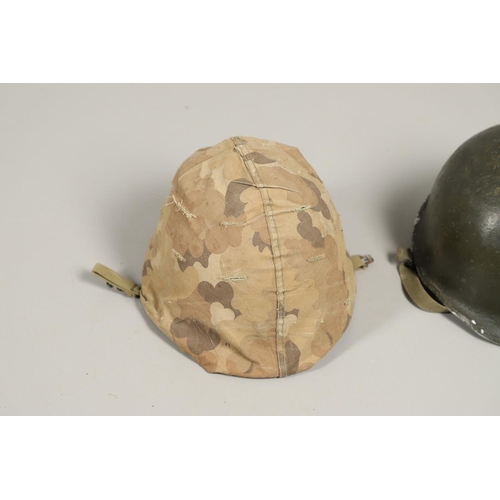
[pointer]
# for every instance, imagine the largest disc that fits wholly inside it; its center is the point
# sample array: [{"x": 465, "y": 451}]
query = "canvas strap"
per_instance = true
[
  {"x": 361, "y": 261},
  {"x": 413, "y": 286},
  {"x": 113, "y": 279}
]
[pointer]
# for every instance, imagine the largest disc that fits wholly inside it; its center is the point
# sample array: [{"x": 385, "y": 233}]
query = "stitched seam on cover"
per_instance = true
[{"x": 276, "y": 251}]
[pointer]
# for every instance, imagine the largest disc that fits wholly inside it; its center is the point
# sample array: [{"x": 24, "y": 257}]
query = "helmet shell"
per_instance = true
[
  {"x": 247, "y": 271},
  {"x": 456, "y": 240}
]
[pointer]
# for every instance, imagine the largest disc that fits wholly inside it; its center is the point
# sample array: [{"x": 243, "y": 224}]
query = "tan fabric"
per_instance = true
[
  {"x": 112, "y": 278},
  {"x": 361, "y": 261},
  {"x": 247, "y": 271},
  {"x": 413, "y": 286}
]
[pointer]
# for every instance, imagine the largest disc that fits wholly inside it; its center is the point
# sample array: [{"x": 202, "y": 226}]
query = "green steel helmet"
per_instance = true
[{"x": 454, "y": 263}]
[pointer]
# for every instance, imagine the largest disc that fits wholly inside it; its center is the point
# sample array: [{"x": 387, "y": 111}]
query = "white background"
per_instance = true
[{"x": 84, "y": 171}]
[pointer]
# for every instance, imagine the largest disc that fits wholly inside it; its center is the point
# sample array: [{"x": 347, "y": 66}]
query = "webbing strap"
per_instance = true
[
  {"x": 112, "y": 278},
  {"x": 413, "y": 286},
  {"x": 361, "y": 261}
]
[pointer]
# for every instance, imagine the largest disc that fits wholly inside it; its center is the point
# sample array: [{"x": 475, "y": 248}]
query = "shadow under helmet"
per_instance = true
[
  {"x": 247, "y": 271},
  {"x": 454, "y": 263}
]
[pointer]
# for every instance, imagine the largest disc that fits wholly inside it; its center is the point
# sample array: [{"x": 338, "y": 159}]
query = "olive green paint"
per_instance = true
[{"x": 456, "y": 239}]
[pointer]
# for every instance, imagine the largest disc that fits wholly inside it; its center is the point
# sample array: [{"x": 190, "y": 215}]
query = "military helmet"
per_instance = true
[
  {"x": 247, "y": 271},
  {"x": 454, "y": 263}
]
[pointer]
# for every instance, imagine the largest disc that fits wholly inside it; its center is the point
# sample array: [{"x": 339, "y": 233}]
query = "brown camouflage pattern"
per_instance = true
[{"x": 247, "y": 271}]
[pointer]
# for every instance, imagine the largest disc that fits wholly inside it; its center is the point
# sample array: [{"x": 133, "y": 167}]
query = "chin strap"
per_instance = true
[
  {"x": 361, "y": 261},
  {"x": 113, "y": 279},
  {"x": 413, "y": 286}
]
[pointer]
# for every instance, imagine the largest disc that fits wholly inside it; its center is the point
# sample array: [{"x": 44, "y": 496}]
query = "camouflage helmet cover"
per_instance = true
[{"x": 247, "y": 271}]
